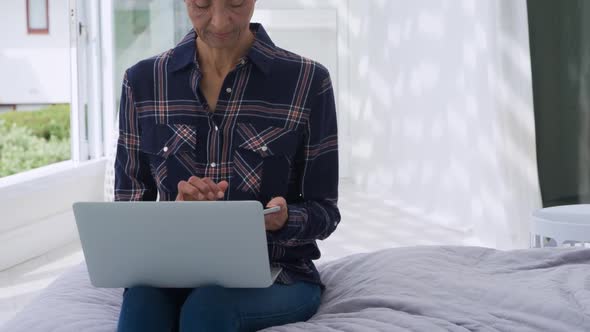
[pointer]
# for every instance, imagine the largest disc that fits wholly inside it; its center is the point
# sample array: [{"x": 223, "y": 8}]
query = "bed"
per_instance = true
[{"x": 436, "y": 288}]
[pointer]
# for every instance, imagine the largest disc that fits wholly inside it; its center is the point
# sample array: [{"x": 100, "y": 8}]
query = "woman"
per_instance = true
[{"x": 227, "y": 115}]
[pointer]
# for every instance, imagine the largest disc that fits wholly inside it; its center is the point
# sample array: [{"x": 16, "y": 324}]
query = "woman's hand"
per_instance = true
[
  {"x": 197, "y": 189},
  {"x": 276, "y": 221}
]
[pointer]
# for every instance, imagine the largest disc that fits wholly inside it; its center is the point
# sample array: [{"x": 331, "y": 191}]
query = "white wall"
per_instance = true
[
  {"x": 441, "y": 112},
  {"x": 34, "y": 68}
]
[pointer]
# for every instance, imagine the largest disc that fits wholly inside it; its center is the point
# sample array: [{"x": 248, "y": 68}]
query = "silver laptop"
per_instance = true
[{"x": 175, "y": 244}]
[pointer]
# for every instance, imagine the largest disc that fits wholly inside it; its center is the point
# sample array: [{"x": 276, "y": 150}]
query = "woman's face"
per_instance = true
[{"x": 220, "y": 23}]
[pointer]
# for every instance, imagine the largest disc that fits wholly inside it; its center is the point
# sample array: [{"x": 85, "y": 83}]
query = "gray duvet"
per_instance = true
[{"x": 405, "y": 289}]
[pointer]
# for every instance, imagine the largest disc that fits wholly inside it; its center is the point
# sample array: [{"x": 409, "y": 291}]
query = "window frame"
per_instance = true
[
  {"x": 37, "y": 31},
  {"x": 50, "y": 224}
]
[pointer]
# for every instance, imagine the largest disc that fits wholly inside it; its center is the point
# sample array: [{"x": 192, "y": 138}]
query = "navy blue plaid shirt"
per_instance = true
[{"x": 272, "y": 134}]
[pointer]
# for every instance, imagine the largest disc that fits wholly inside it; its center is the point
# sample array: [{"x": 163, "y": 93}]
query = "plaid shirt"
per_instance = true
[{"x": 273, "y": 133}]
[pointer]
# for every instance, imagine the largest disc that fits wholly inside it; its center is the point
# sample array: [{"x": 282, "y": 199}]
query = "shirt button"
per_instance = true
[
  {"x": 165, "y": 149},
  {"x": 213, "y": 165},
  {"x": 264, "y": 148},
  {"x": 242, "y": 62},
  {"x": 216, "y": 128},
  {"x": 228, "y": 90}
]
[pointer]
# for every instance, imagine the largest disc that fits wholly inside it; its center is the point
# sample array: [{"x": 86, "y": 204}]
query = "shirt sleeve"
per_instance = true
[
  {"x": 133, "y": 179},
  {"x": 317, "y": 215}
]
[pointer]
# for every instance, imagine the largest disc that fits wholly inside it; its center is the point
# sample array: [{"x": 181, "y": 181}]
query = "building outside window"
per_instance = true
[{"x": 38, "y": 16}]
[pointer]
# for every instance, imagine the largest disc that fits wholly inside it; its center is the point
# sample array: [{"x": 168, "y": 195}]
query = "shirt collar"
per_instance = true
[{"x": 262, "y": 52}]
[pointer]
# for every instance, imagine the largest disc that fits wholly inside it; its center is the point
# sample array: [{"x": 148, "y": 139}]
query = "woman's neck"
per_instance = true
[{"x": 220, "y": 61}]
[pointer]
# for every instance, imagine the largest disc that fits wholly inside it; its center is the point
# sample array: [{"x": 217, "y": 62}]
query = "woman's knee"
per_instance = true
[
  {"x": 208, "y": 306},
  {"x": 206, "y": 299},
  {"x": 147, "y": 309},
  {"x": 143, "y": 294}
]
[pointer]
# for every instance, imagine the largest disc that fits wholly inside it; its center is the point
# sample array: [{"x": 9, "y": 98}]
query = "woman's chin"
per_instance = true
[{"x": 221, "y": 42}]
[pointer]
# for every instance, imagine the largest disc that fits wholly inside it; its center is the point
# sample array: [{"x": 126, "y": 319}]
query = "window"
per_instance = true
[
  {"x": 35, "y": 95},
  {"x": 38, "y": 16}
]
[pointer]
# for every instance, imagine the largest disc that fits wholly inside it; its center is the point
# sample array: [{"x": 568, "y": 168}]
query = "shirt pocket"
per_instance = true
[
  {"x": 166, "y": 140},
  {"x": 171, "y": 149},
  {"x": 263, "y": 159},
  {"x": 270, "y": 141}
]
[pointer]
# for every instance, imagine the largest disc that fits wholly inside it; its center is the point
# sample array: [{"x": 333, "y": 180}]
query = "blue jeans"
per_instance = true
[{"x": 214, "y": 308}]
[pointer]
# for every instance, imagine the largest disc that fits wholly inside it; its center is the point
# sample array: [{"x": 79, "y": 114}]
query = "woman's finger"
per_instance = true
[
  {"x": 215, "y": 192},
  {"x": 201, "y": 186}
]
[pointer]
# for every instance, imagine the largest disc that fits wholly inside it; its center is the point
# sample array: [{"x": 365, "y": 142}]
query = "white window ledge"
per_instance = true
[
  {"x": 36, "y": 206},
  {"x": 41, "y": 173}
]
